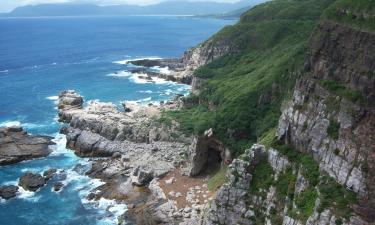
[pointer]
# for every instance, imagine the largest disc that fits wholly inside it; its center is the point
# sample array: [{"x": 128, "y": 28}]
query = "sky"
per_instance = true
[{"x": 9, "y": 5}]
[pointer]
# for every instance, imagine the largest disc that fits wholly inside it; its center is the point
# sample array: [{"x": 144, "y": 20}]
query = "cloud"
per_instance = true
[{"x": 8, "y": 5}]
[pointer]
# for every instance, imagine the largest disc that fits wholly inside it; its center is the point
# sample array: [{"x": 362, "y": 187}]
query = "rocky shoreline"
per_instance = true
[
  {"x": 133, "y": 155},
  {"x": 153, "y": 168},
  {"x": 141, "y": 161}
]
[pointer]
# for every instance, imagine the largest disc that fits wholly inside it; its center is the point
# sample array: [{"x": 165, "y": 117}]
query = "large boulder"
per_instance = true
[
  {"x": 70, "y": 99},
  {"x": 16, "y": 145},
  {"x": 141, "y": 176},
  {"x": 7, "y": 192},
  {"x": 31, "y": 182}
]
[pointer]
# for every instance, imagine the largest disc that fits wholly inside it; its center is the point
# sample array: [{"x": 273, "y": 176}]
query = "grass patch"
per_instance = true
[
  {"x": 262, "y": 178},
  {"x": 218, "y": 179},
  {"x": 336, "y": 196},
  {"x": 286, "y": 184},
  {"x": 310, "y": 168},
  {"x": 305, "y": 202},
  {"x": 333, "y": 129},
  {"x": 337, "y": 88},
  {"x": 268, "y": 138}
]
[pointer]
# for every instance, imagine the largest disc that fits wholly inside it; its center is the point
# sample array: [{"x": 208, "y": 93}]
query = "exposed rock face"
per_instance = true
[
  {"x": 345, "y": 151},
  {"x": 48, "y": 174},
  {"x": 182, "y": 69},
  {"x": 339, "y": 52},
  {"x": 230, "y": 206},
  {"x": 16, "y": 145},
  {"x": 203, "y": 54},
  {"x": 31, "y": 182},
  {"x": 58, "y": 186},
  {"x": 7, "y": 192},
  {"x": 100, "y": 124},
  {"x": 70, "y": 99},
  {"x": 277, "y": 161},
  {"x": 206, "y": 150}
]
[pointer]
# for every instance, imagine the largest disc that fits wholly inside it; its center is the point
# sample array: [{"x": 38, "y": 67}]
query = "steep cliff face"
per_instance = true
[
  {"x": 320, "y": 168},
  {"x": 332, "y": 115},
  {"x": 201, "y": 55}
]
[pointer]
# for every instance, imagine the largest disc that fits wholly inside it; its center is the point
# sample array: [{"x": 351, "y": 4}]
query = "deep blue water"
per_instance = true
[{"x": 41, "y": 57}]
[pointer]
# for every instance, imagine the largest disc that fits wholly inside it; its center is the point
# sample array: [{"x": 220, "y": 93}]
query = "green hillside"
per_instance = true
[{"x": 243, "y": 91}]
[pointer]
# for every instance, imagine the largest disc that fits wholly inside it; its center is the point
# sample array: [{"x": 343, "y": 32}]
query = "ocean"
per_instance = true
[{"x": 39, "y": 57}]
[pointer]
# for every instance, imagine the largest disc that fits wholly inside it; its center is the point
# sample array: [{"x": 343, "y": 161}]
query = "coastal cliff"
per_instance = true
[
  {"x": 315, "y": 164},
  {"x": 277, "y": 129},
  {"x": 321, "y": 163}
]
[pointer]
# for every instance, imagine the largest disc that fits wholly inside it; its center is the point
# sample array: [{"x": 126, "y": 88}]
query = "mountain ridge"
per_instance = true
[{"x": 163, "y": 8}]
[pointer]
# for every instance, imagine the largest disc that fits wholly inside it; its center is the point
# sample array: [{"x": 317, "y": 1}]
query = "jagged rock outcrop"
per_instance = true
[
  {"x": 7, "y": 192},
  {"x": 100, "y": 129},
  {"x": 204, "y": 54},
  {"x": 331, "y": 115},
  {"x": 17, "y": 145},
  {"x": 182, "y": 69},
  {"x": 31, "y": 182},
  {"x": 230, "y": 204}
]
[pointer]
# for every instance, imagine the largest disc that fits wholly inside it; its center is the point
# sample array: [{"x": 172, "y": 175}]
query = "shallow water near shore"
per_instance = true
[{"x": 41, "y": 57}]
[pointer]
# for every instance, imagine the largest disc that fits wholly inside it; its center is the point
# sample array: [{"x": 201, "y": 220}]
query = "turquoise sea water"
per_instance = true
[{"x": 41, "y": 57}]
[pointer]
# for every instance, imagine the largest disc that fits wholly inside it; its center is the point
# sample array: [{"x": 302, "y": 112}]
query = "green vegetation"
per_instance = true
[
  {"x": 310, "y": 166},
  {"x": 332, "y": 103},
  {"x": 358, "y": 13},
  {"x": 337, "y": 88},
  {"x": 332, "y": 194},
  {"x": 336, "y": 196},
  {"x": 285, "y": 185},
  {"x": 218, "y": 179},
  {"x": 333, "y": 129},
  {"x": 306, "y": 201},
  {"x": 268, "y": 138},
  {"x": 246, "y": 88},
  {"x": 262, "y": 178}
]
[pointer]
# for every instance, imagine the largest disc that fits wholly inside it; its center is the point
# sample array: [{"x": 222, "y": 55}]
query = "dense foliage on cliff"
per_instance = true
[
  {"x": 358, "y": 13},
  {"x": 243, "y": 91}
]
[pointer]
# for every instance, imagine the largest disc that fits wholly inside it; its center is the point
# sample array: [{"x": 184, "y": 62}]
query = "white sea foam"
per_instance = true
[
  {"x": 13, "y": 182},
  {"x": 27, "y": 195},
  {"x": 53, "y": 98},
  {"x": 136, "y": 78},
  {"x": 60, "y": 147},
  {"x": 162, "y": 70},
  {"x": 18, "y": 123},
  {"x": 120, "y": 74},
  {"x": 158, "y": 80},
  {"x": 10, "y": 124},
  {"x": 126, "y": 61},
  {"x": 147, "y": 92},
  {"x": 4, "y": 71},
  {"x": 145, "y": 99},
  {"x": 168, "y": 92},
  {"x": 111, "y": 207}
]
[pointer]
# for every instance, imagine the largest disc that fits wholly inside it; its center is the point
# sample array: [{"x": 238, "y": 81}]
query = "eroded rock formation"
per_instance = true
[{"x": 16, "y": 145}]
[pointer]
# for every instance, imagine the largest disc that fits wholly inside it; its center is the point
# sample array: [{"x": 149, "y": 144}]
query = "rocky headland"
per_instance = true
[{"x": 135, "y": 155}]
